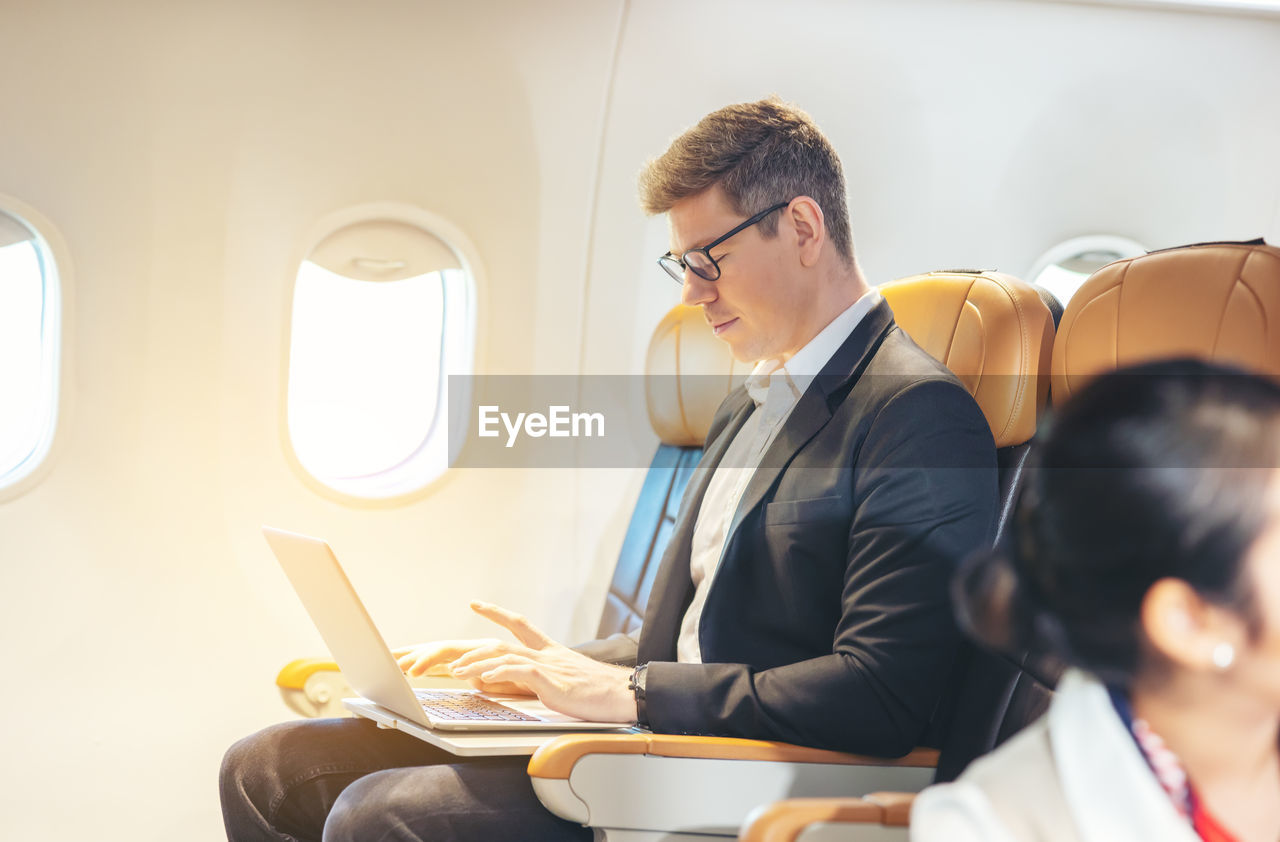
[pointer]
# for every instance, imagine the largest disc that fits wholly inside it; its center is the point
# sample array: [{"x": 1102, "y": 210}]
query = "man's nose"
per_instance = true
[{"x": 696, "y": 290}]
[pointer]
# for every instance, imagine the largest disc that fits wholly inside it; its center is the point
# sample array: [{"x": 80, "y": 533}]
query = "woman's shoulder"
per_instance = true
[
  {"x": 1011, "y": 794},
  {"x": 1075, "y": 774}
]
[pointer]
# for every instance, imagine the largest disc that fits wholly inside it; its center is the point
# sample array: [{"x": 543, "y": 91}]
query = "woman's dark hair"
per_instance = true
[{"x": 1154, "y": 471}]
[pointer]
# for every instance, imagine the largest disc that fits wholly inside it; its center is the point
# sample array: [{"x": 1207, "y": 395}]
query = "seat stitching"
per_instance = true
[
  {"x": 1226, "y": 302},
  {"x": 1024, "y": 341},
  {"x": 1064, "y": 337},
  {"x": 1024, "y": 336},
  {"x": 1124, "y": 275},
  {"x": 955, "y": 327}
]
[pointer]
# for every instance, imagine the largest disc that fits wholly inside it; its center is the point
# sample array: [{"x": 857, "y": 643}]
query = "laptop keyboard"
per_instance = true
[{"x": 447, "y": 705}]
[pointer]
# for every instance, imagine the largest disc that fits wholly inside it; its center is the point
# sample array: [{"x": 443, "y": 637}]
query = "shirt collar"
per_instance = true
[
  {"x": 795, "y": 375},
  {"x": 1104, "y": 776}
]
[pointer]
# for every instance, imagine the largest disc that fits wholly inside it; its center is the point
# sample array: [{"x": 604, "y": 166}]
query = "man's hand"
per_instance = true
[
  {"x": 433, "y": 658},
  {"x": 564, "y": 680}
]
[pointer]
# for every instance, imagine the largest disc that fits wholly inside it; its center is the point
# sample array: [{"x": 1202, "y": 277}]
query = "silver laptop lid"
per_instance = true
[{"x": 343, "y": 622}]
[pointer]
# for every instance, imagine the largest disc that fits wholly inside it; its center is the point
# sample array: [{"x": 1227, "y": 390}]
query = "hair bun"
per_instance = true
[
  {"x": 997, "y": 606},
  {"x": 984, "y": 592}
]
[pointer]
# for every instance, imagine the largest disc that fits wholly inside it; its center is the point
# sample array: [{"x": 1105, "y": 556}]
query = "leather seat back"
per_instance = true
[
  {"x": 1214, "y": 301},
  {"x": 688, "y": 372},
  {"x": 1209, "y": 301},
  {"x": 995, "y": 332}
]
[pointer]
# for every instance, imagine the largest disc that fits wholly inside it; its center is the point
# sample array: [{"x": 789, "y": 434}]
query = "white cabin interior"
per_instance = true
[{"x": 180, "y": 160}]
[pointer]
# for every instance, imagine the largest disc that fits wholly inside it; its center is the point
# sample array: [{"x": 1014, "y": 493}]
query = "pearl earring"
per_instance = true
[{"x": 1224, "y": 654}]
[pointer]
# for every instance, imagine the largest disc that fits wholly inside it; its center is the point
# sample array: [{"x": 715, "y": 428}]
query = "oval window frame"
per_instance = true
[
  {"x": 1124, "y": 247},
  {"x": 466, "y": 349},
  {"x": 57, "y": 280}
]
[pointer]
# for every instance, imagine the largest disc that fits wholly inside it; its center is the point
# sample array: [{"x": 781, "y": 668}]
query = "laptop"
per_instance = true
[{"x": 368, "y": 665}]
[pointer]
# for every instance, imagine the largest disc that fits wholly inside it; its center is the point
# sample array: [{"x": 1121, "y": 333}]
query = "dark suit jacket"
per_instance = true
[{"x": 828, "y": 621}]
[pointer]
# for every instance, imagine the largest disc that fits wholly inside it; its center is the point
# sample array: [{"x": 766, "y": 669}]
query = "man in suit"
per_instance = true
[{"x": 803, "y": 596}]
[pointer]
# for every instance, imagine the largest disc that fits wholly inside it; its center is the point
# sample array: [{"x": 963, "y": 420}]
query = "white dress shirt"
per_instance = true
[{"x": 775, "y": 387}]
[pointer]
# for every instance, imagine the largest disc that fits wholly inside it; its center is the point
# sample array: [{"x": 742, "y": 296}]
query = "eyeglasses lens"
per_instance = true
[
  {"x": 702, "y": 265},
  {"x": 698, "y": 263},
  {"x": 672, "y": 266}
]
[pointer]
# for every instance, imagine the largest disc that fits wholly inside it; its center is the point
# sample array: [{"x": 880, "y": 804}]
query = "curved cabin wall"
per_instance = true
[{"x": 184, "y": 151}]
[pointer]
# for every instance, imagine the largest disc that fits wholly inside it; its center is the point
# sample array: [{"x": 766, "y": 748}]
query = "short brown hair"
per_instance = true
[{"x": 759, "y": 153}]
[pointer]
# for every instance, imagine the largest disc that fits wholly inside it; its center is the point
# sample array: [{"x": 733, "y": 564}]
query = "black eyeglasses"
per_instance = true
[{"x": 699, "y": 260}]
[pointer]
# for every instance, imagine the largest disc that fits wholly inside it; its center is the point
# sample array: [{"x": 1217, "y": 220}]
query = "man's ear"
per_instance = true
[
  {"x": 1186, "y": 629},
  {"x": 805, "y": 217}
]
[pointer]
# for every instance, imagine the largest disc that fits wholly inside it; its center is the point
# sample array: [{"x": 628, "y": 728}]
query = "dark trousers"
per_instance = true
[{"x": 343, "y": 780}]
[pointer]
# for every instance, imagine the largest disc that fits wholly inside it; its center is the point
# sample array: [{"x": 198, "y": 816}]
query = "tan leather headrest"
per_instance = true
[
  {"x": 689, "y": 372},
  {"x": 993, "y": 331},
  {"x": 1215, "y": 302}
]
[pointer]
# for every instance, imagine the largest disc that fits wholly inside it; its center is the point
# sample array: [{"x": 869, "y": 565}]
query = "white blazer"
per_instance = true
[{"x": 1075, "y": 775}]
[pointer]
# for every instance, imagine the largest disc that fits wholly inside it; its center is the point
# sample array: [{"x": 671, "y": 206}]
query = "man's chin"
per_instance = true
[
  {"x": 743, "y": 354},
  {"x": 740, "y": 347}
]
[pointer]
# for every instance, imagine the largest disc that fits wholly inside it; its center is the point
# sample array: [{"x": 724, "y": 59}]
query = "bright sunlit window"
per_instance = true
[
  {"x": 381, "y": 315},
  {"x": 29, "y": 335}
]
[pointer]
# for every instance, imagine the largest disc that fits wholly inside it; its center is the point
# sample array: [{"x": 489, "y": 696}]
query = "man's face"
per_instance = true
[{"x": 757, "y": 305}]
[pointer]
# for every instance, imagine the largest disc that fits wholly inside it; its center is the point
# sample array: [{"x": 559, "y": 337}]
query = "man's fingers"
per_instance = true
[
  {"x": 417, "y": 660},
  {"x": 525, "y": 632},
  {"x": 504, "y": 673},
  {"x": 419, "y": 668},
  {"x": 518, "y": 675},
  {"x": 486, "y": 653},
  {"x": 410, "y": 660},
  {"x": 414, "y": 665},
  {"x": 475, "y": 664},
  {"x": 431, "y": 657},
  {"x": 500, "y": 689}
]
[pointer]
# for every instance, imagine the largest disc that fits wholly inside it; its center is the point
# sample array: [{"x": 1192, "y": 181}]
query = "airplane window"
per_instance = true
[
  {"x": 1064, "y": 268},
  {"x": 29, "y": 352},
  {"x": 381, "y": 313}
]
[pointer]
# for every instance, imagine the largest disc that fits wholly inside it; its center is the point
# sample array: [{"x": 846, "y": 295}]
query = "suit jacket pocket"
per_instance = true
[{"x": 804, "y": 511}]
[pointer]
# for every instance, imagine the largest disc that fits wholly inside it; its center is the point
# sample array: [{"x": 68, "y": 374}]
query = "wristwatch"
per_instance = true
[{"x": 636, "y": 686}]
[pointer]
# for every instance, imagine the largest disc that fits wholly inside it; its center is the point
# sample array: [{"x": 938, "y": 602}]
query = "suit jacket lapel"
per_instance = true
[
  {"x": 673, "y": 585},
  {"x": 809, "y": 415},
  {"x": 701, "y": 478},
  {"x": 812, "y": 412}
]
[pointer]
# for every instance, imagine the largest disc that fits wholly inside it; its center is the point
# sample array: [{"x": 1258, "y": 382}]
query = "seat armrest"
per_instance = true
[
  {"x": 790, "y": 820},
  {"x": 315, "y": 687},
  {"x": 557, "y": 758},
  {"x": 294, "y": 674},
  {"x": 667, "y": 784},
  {"x": 896, "y": 806}
]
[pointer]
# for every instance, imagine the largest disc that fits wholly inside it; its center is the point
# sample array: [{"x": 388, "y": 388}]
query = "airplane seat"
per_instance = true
[
  {"x": 1214, "y": 301},
  {"x": 999, "y": 696},
  {"x": 1218, "y": 301},
  {"x": 996, "y": 333},
  {"x": 688, "y": 373}
]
